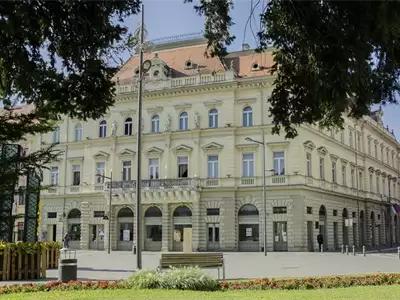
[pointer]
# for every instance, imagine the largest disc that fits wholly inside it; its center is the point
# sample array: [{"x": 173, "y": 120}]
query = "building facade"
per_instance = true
[{"x": 199, "y": 171}]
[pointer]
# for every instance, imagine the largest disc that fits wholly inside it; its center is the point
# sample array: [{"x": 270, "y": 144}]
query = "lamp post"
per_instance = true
[
  {"x": 249, "y": 139},
  {"x": 109, "y": 205}
]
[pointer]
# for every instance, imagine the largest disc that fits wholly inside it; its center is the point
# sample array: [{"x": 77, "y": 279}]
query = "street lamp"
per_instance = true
[
  {"x": 109, "y": 205},
  {"x": 249, "y": 139}
]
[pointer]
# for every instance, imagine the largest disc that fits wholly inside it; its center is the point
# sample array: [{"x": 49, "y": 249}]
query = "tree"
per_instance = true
[{"x": 331, "y": 57}]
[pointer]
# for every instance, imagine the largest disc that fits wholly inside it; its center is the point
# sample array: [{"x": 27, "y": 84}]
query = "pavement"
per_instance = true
[{"x": 98, "y": 265}]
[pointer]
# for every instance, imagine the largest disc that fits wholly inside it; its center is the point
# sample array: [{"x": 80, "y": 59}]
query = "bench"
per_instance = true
[{"x": 204, "y": 260}]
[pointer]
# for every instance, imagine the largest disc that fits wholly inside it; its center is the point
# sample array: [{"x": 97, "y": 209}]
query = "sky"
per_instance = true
[{"x": 165, "y": 18}]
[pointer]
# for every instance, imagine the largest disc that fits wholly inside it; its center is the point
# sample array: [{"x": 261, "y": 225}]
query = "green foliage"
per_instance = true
[
  {"x": 188, "y": 278},
  {"x": 29, "y": 248}
]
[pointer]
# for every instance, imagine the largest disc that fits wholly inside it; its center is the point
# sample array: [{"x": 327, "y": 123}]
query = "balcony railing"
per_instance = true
[{"x": 152, "y": 184}]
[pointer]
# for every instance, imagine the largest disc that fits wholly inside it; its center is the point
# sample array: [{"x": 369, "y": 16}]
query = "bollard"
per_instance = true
[
  {"x": 354, "y": 250},
  {"x": 398, "y": 251},
  {"x": 364, "y": 253},
  {"x": 342, "y": 249},
  {"x": 347, "y": 249}
]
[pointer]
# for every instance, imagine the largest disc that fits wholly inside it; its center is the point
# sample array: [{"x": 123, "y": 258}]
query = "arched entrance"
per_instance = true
[
  {"x": 345, "y": 228},
  {"x": 125, "y": 229},
  {"x": 362, "y": 228},
  {"x": 153, "y": 223},
  {"x": 182, "y": 220},
  {"x": 249, "y": 228},
  {"x": 372, "y": 217},
  {"x": 74, "y": 228},
  {"x": 323, "y": 225}
]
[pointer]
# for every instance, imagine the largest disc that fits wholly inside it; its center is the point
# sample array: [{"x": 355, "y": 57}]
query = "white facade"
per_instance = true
[{"x": 199, "y": 171}]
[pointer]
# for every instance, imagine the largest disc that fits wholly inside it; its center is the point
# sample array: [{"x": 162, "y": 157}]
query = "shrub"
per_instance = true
[{"x": 188, "y": 278}]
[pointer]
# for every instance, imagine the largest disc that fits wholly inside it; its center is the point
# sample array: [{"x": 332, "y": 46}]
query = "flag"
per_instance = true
[{"x": 396, "y": 209}]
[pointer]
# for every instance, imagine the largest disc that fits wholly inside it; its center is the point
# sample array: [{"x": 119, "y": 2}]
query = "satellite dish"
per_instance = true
[{"x": 146, "y": 65}]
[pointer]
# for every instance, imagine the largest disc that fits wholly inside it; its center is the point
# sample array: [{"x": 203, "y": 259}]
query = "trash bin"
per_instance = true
[{"x": 67, "y": 266}]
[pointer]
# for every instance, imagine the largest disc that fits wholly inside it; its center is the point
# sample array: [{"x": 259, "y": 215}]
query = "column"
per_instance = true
[
  {"x": 85, "y": 234},
  {"x": 59, "y": 231},
  {"x": 166, "y": 236},
  {"x": 228, "y": 225},
  {"x": 196, "y": 217}
]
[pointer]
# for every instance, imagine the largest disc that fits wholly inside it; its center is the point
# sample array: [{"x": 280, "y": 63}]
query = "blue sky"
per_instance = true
[{"x": 164, "y": 18}]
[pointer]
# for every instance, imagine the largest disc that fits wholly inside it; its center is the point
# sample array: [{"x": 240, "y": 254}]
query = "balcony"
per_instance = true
[{"x": 153, "y": 184}]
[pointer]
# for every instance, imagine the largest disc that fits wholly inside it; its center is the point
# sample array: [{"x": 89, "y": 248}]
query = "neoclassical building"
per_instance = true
[{"x": 200, "y": 171}]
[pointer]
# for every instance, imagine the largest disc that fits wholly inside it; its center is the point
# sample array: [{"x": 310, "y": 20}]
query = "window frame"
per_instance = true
[
  {"x": 155, "y": 124},
  {"x": 214, "y": 166},
  {"x": 103, "y": 129},
  {"x": 183, "y": 121},
  {"x": 128, "y": 126},
  {"x": 250, "y": 165},
  {"x": 213, "y": 116},
  {"x": 247, "y": 116}
]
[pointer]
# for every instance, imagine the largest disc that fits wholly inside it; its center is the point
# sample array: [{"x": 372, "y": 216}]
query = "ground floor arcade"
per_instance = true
[{"x": 225, "y": 221}]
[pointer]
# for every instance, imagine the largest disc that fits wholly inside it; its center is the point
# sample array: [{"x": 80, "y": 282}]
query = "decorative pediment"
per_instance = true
[
  {"x": 128, "y": 113},
  {"x": 246, "y": 100},
  {"x": 390, "y": 177},
  {"x": 127, "y": 152},
  {"x": 155, "y": 109},
  {"x": 212, "y": 104},
  {"x": 352, "y": 165},
  {"x": 101, "y": 155},
  {"x": 384, "y": 174},
  {"x": 212, "y": 147},
  {"x": 154, "y": 150},
  {"x": 278, "y": 145},
  {"x": 371, "y": 169},
  {"x": 182, "y": 105},
  {"x": 334, "y": 158},
  {"x": 182, "y": 148},
  {"x": 309, "y": 145},
  {"x": 77, "y": 159},
  {"x": 344, "y": 161},
  {"x": 250, "y": 146},
  {"x": 322, "y": 150},
  {"x": 378, "y": 172}
]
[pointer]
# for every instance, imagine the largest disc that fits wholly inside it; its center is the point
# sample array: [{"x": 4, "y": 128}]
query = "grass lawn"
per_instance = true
[{"x": 357, "y": 293}]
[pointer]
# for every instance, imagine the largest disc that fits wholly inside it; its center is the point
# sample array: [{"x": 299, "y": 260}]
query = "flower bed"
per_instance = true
[{"x": 258, "y": 284}]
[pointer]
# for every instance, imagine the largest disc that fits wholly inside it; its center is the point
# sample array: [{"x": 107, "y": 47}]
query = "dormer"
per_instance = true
[{"x": 159, "y": 70}]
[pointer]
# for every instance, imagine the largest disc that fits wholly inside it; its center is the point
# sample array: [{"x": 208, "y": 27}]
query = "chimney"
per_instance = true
[{"x": 245, "y": 47}]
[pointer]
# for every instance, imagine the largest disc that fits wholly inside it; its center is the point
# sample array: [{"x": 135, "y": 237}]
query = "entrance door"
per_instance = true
[
  {"x": 97, "y": 237},
  {"x": 213, "y": 236},
  {"x": 335, "y": 236},
  {"x": 280, "y": 236},
  {"x": 125, "y": 240},
  {"x": 51, "y": 233},
  {"x": 310, "y": 236}
]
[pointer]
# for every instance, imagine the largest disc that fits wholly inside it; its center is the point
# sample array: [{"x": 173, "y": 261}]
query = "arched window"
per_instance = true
[
  {"x": 213, "y": 118},
  {"x": 128, "y": 126},
  {"x": 183, "y": 121},
  {"x": 182, "y": 211},
  {"x": 78, "y": 132},
  {"x": 56, "y": 135},
  {"x": 125, "y": 212},
  {"x": 153, "y": 212},
  {"x": 74, "y": 214},
  {"x": 248, "y": 210},
  {"x": 103, "y": 129},
  {"x": 155, "y": 124},
  {"x": 247, "y": 116}
]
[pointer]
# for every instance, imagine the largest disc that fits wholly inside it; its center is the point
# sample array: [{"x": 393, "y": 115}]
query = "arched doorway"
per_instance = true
[
  {"x": 153, "y": 223},
  {"x": 345, "y": 228},
  {"x": 362, "y": 228},
  {"x": 125, "y": 229},
  {"x": 74, "y": 228},
  {"x": 182, "y": 220},
  {"x": 372, "y": 217},
  {"x": 323, "y": 225},
  {"x": 396, "y": 230},
  {"x": 249, "y": 228}
]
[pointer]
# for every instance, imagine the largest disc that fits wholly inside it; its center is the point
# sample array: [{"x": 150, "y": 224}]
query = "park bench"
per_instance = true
[{"x": 204, "y": 260}]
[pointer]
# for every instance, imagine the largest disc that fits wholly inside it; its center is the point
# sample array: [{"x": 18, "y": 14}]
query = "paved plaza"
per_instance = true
[{"x": 96, "y": 265}]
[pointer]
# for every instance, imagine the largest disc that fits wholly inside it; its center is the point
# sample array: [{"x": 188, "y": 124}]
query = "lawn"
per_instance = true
[{"x": 357, "y": 293}]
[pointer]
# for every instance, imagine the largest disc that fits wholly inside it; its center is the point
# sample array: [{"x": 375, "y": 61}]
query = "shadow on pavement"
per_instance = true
[{"x": 105, "y": 270}]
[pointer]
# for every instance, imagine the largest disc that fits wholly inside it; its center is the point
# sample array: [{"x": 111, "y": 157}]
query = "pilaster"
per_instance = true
[
  {"x": 85, "y": 234},
  {"x": 166, "y": 226},
  {"x": 196, "y": 217}
]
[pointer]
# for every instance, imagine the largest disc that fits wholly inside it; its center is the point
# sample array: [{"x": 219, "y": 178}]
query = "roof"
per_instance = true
[{"x": 176, "y": 57}]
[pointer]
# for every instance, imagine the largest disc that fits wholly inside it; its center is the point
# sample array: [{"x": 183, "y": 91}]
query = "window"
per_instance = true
[
  {"x": 393, "y": 160},
  {"x": 20, "y": 232},
  {"x": 335, "y": 212},
  {"x": 212, "y": 211},
  {"x": 279, "y": 210},
  {"x": 76, "y": 174},
  {"x": 382, "y": 154},
  {"x": 126, "y": 170},
  {"x": 213, "y": 118},
  {"x": 308, "y": 165},
  {"x": 128, "y": 126},
  {"x": 78, "y": 132},
  {"x": 98, "y": 214},
  {"x": 359, "y": 142},
  {"x": 352, "y": 175},
  {"x": 100, "y": 170},
  {"x": 309, "y": 210},
  {"x": 334, "y": 172},
  {"x": 371, "y": 183},
  {"x": 369, "y": 147},
  {"x": 360, "y": 181},
  {"x": 342, "y": 137},
  {"x": 212, "y": 166},
  {"x": 56, "y": 135},
  {"x": 247, "y": 116},
  {"x": 383, "y": 186},
  {"x": 378, "y": 189},
  {"x": 21, "y": 196},
  {"x": 103, "y": 129},
  {"x": 322, "y": 168},
  {"x": 153, "y": 168},
  {"x": 344, "y": 179},
  {"x": 248, "y": 164},
  {"x": 183, "y": 167},
  {"x": 183, "y": 121},
  {"x": 376, "y": 151},
  {"x": 351, "y": 138},
  {"x": 54, "y": 175},
  {"x": 387, "y": 156},
  {"x": 279, "y": 163},
  {"x": 155, "y": 124},
  {"x": 51, "y": 215}
]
